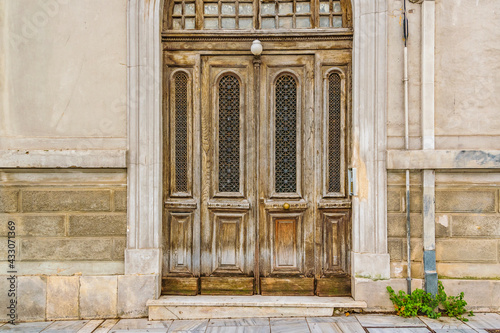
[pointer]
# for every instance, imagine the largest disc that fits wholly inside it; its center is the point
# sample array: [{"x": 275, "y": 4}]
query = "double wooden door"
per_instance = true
[{"x": 255, "y": 175}]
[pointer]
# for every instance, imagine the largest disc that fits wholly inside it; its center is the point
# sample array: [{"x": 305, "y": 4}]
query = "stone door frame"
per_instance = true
[{"x": 369, "y": 140}]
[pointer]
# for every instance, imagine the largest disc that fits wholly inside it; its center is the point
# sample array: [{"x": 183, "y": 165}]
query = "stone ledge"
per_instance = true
[
  {"x": 91, "y": 158},
  {"x": 208, "y": 307},
  {"x": 442, "y": 159}
]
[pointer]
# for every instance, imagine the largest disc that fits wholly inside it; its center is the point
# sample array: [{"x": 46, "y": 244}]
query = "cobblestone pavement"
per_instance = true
[{"x": 362, "y": 323}]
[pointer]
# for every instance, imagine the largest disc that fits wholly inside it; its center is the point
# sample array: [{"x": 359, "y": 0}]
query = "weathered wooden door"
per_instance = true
[{"x": 264, "y": 144}]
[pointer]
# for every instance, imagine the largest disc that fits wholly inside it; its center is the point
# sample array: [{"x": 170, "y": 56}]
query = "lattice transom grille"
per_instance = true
[
  {"x": 181, "y": 109},
  {"x": 286, "y": 135},
  {"x": 334, "y": 133},
  {"x": 229, "y": 134}
]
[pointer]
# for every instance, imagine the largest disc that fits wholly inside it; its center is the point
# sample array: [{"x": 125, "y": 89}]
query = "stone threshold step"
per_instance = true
[{"x": 220, "y": 307}]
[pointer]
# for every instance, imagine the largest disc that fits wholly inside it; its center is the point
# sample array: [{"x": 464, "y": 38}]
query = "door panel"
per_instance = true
[
  {"x": 286, "y": 215},
  {"x": 255, "y": 189},
  {"x": 227, "y": 198}
]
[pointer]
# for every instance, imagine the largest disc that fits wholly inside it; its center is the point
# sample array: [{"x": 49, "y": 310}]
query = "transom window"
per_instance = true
[{"x": 256, "y": 15}]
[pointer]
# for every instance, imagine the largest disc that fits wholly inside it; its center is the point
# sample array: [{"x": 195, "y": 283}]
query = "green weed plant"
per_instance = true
[{"x": 420, "y": 302}]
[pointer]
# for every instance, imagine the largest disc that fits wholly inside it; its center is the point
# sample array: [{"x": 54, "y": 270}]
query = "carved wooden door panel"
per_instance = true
[
  {"x": 228, "y": 176},
  {"x": 256, "y": 197},
  {"x": 286, "y": 230}
]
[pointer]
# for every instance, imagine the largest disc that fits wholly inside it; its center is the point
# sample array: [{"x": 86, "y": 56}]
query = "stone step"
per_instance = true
[{"x": 220, "y": 307}]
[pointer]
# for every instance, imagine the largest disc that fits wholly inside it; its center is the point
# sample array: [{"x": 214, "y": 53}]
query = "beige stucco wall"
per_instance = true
[
  {"x": 467, "y": 72},
  {"x": 66, "y": 74},
  {"x": 467, "y": 68}
]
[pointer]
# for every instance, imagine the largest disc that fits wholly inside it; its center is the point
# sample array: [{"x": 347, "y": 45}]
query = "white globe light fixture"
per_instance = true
[{"x": 256, "y": 48}]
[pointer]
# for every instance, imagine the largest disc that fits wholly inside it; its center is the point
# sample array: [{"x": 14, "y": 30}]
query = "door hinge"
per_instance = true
[{"x": 352, "y": 181}]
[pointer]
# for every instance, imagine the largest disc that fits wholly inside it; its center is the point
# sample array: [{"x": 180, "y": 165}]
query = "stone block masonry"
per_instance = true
[
  {"x": 67, "y": 221},
  {"x": 467, "y": 225},
  {"x": 43, "y": 298}
]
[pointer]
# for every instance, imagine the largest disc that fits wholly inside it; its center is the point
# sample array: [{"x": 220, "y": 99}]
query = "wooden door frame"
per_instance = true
[{"x": 144, "y": 99}]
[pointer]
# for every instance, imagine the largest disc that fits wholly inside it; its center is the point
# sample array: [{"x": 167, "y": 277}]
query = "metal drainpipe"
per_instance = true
[{"x": 407, "y": 147}]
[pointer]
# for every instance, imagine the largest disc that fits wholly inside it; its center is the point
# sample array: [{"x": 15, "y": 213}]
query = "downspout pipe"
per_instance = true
[{"x": 407, "y": 147}]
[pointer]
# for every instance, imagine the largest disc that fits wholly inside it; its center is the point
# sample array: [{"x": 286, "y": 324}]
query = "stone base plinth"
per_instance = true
[{"x": 209, "y": 307}]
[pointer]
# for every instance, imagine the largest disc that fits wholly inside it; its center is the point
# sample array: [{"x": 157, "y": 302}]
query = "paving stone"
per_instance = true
[
  {"x": 90, "y": 326},
  {"x": 133, "y": 293},
  {"x": 50, "y": 201},
  {"x": 376, "y": 320},
  {"x": 106, "y": 326},
  {"x": 346, "y": 324},
  {"x": 286, "y": 325},
  {"x": 140, "y": 325},
  {"x": 66, "y": 326},
  {"x": 98, "y": 296},
  {"x": 62, "y": 297},
  {"x": 32, "y": 298},
  {"x": 239, "y": 322},
  {"x": 325, "y": 328},
  {"x": 239, "y": 329},
  {"x": 444, "y": 323},
  {"x": 35, "y": 327},
  {"x": 484, "y": 321},
  {"x": 98, "y": 225},
  {"x": 399, "y": 330},
  {"x": 455, "y": 330},
  {"x": 188, "y": 326}
]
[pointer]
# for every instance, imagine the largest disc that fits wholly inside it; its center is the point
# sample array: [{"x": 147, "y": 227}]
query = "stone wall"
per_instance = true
[
  {"x": 67, "y": 221},
  {"x": 467, "y": 233},
  {"x": 44, "y": 297}
]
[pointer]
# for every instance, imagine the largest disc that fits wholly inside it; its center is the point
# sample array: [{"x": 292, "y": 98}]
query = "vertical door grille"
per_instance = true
[
  {"x": 229, "y": 134},
  {"x": 334, "y": 133},
  {"x": 286, "y": 135},
  {"x": 181, "y": 108}
]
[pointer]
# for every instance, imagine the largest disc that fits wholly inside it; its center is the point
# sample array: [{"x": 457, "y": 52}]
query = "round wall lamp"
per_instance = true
[{"x": 256, "y": 48}]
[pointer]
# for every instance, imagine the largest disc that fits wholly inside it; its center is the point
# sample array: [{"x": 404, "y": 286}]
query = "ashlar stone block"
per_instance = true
[
  {"x": 476, "y": 225},
  {"x": 465, "y": 201},
  {"x": 8, "y": 200},
  {"x": 66, "y": 200},
  {"x": 98, "y": 225},
  {"x": 120, "y": 200},
  {"x": 133, "y": 293},
  {"x": 394, "y": 201},
  {"x": 41, "y": 226},
  {"x": 66, "y": 249},
  {"x": 62, "y": 297},
  {"x": 98, "y": 297},
  {"x": 466, "y": 250},
  {"x": 32, "y": 298}
]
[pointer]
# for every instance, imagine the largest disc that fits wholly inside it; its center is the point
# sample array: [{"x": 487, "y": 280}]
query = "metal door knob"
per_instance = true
[{"x": 286, "y": 206}]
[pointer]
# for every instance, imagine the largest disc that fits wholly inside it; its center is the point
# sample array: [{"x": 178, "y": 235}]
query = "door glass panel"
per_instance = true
[
  {"x": 286, "y": 134},
  {"x": 181, "y": 106},
  {"x": 334, "y": 132},
  {"x": 229, "y": 134}
]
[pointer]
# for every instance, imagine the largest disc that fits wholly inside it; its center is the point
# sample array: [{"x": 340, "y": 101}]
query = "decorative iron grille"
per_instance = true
[
  {"x": 334, "y": 133},
  {"x": 181, "y": 109},
  {"x": 286, "y": 135},
  {"x": 229, "y": 134}
]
